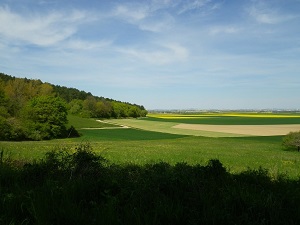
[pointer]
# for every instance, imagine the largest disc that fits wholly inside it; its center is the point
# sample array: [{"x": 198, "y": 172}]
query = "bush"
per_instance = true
[
  {"x": 292, "y": 140},
  {"x": 72, "y": 132}
]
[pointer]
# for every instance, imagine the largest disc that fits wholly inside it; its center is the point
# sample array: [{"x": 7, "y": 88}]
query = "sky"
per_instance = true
[{"x": 162, "y": 54}]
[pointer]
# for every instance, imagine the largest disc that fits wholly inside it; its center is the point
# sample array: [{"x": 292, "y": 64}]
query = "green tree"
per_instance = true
[
  {"x": 15, "y": 90},
  {"x": 4, "y": 129},
  {"x": 45, "y": 118},
  {"x": 89, "y": 106},
  {"x": 292, "y": 140},
  {"x": 3, "y": 103},
  {"x": 119, "y": 110},
  {"x": 103, "y": 109},
  {"x": 75, "y": 106},
  {"x": 45, "y": 89},
  {"x": 134, "y": 112}
]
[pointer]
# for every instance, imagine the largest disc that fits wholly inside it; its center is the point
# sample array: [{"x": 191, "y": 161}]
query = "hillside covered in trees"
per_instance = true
[{"x": 34, "y": 110}]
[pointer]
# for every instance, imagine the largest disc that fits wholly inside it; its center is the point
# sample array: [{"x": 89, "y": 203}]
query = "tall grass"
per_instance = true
[{"x": 81, "y": 187}]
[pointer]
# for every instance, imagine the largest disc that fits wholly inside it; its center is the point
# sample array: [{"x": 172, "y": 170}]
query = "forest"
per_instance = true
[{"x": 34, "y": 110}]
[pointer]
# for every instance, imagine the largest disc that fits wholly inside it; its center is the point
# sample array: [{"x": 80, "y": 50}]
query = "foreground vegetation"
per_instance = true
[{"x": 77, "y": 186}]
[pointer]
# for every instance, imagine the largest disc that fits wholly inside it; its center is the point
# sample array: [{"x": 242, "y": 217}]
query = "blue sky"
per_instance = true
[{"x": 163, "y": 54}]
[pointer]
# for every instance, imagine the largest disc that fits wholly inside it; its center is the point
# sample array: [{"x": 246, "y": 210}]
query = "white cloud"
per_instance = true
[
  {"x": 192, "y": 4},
  {"x": 158, "y": 24},
  {"x": 131, "y": 13},
  {"x": 147, "y": 17},
  {"x": 223, "y": 29},
  {"x": 264, "y": 14},
  {"x": 158, "y": 16},
  {"x": 77, "y": 44},
  {"x": 37, "y": 29},
  {"x": 168, "y": 53},
  {"x": 162, "y": 4}
]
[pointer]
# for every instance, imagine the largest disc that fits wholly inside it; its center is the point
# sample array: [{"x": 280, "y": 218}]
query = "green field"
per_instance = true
[
  {"x": 150, "y": 140},
  {"x": 228, "y": 118}
]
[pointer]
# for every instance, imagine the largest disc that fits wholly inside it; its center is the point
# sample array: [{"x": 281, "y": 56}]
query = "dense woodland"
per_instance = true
[{"x": 34, "y": 110}]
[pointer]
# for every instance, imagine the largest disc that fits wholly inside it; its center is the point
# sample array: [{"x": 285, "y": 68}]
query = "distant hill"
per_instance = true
[
  {"x": 19, "y": 94},
  {"x": 70, "y": 95}
]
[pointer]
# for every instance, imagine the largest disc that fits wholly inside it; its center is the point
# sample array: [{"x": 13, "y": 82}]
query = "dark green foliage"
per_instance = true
[
  {"x": 72, "y": 132},
  {"x": 292, "y": 140},
  {"x": 4, "y": 129},
  {"x": 31, "y": 109},
  {"x": 69, "y": 94},
  {"x": 46, "y": 118},
  {"x": 6, "y": 77},
  {"x": 83, "y": 188}
]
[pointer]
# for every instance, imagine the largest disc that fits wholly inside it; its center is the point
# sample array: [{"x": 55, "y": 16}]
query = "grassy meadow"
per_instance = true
[
  {"x": 152, "y": 139},
  {"x": 138, "y": 171}
]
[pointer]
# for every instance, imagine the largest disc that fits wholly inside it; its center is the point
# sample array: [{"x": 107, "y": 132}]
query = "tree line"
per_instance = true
[{"x": 34, "y": 110}]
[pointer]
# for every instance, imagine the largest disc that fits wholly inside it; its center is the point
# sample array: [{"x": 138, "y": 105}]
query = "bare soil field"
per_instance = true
[{"x": 255, "y": 130}]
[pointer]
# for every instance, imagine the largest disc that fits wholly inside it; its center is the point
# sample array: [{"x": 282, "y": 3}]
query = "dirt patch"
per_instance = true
[
  {"x": 117, "y": 126},
  {"x": 255, "y": 130},
  {"x": 104, "y": 128}
]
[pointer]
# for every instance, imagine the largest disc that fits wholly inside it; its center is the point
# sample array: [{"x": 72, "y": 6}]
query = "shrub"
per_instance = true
[
  {"x": 292, "y": 140},
  {"x": 4, "y": 129}
]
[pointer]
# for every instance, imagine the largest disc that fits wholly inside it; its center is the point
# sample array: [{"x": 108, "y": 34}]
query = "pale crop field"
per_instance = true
[
  {"x": 250, "y": 130},
  {"x": 171, "y": 128},
  {"x": 196, "y": 125}
]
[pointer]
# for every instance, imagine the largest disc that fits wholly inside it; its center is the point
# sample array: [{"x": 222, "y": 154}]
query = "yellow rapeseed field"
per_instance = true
[{"x": 211, "y": 115}]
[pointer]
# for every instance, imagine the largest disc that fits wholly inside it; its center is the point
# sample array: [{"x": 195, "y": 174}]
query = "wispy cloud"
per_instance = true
[
  {"x": 158, "y": 16},
  {"x": 265, "y": 14},
  {"x": 147, "y": 17},
  {"x": 131, "y": 13},
  {"x": 77, "y": 44},
  {"x": 166, "y": 54},
  {"x": 215, "y": 30},
  {"x": 192, "y": 5},
  {"x": 159, "y": 24},
  {"x": 38, "y": 29}
]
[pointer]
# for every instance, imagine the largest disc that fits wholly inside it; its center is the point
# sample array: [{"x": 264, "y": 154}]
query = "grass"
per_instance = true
[
  {"x": 141, "y": 176},
  {"x": 80, "y": 123},
  {"x": 81, "y": 187},
  {"x": 227, "y": 120},
  {"x": 124, "y": 134},
  {"x": 124, "y": 146},
  {"x": 152, "y": 142}
]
